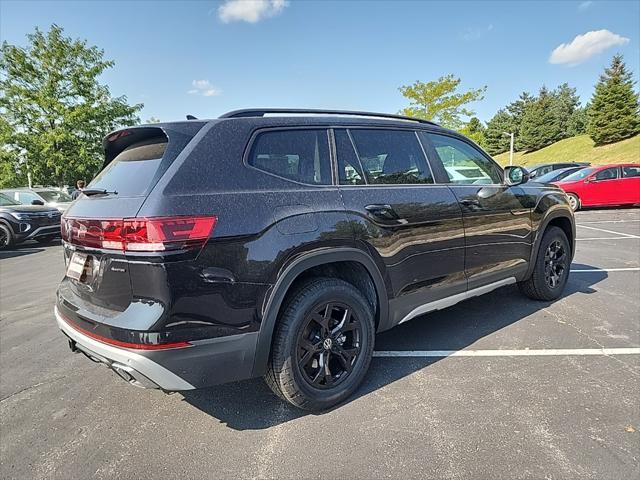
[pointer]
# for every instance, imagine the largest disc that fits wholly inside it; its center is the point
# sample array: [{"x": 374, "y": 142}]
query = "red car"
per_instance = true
[{"x": 603, "y": 185}]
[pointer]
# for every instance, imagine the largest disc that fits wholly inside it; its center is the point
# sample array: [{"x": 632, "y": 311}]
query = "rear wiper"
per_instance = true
[{"x": 97, "y": 191}]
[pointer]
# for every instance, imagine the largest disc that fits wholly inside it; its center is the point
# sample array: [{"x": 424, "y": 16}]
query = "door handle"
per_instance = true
[
  {"x": 383, "y": 211},
  {"x": 470, "y": 203}
]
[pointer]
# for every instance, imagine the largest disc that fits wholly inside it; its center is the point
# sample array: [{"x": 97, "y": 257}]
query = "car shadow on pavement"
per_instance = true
[
  {"x": 250, "y": 404},
  {"x": 27, "y": 248}
]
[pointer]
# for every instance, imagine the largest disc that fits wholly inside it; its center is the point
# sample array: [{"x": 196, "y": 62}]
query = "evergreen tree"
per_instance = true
[
  {"x": 565, "y": 103},
  {"x": 517, "y": 110},
  {"x": 474, "y": 129},
  {"x": 495, "y": 140},
  {"x": 540, "y": 124},
  {"x": 615, "y": 113},
  {"x": 578, "y": 122}
]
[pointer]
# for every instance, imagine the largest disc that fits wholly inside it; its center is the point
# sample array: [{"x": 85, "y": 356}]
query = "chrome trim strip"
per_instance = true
[
  {"x": 164, "y": 378},
  {"x": 453, "y": 299}
]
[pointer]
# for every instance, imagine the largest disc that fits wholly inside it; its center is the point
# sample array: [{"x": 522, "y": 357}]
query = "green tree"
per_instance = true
[
  {"x": 615, "y": 113},
  {"x": 540, "y": 124},
  {"x": 56, "y": 111},
  {"x": 439, "y": 101},
  {"x": 517, "y": 110},
  {"x": 474, "y": 129},
  {"x": 578, "y": 122},
  {"x": 495, "y": 140},
  {"x": 565, "y": 103}
]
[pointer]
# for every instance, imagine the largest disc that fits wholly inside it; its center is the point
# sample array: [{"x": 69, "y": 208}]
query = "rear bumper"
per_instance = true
[{"x": 204, "y": 363}]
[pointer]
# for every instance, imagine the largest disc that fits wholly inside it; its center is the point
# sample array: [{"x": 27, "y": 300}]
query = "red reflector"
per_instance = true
[
  {"x": 139, "y": 235},
  {"x": 135, "y": 346}
]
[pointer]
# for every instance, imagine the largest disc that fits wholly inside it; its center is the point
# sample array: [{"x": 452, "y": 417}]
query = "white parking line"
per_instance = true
[
  {"x": 606, "y": 238},
  {"x": 551, "y": 352},
  {"x": 608, "y": 231},
  {"x": 626, "y": 269},
  {"x": 612, "y": 221}
]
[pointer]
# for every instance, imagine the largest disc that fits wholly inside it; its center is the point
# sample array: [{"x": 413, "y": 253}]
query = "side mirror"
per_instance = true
[
  {"x": 515, "y": 176},
  {"x": 589, "y": 179},
  {"x": 37, "y": 202}
]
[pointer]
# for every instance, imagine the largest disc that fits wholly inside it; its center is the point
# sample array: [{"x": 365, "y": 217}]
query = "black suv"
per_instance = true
[
  {"x": 19, "y": 223},
  {"x": 277, "y": 243}
]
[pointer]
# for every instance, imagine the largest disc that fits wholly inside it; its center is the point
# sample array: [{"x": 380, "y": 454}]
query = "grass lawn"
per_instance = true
[{"x": 578, "y": 149}]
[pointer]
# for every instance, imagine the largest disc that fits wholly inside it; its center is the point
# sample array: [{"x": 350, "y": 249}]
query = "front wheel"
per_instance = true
[
  {"x": 574, "y": 201},
  {"x": 322, "y": 346},
  {"x": 551, "y": 269},
  {"x": 6, "y": 237}
]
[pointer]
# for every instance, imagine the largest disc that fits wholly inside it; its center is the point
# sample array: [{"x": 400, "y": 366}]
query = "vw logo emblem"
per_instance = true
[
  {"x": 50, "y": 215},
  {"x": 327, "y": 344}
]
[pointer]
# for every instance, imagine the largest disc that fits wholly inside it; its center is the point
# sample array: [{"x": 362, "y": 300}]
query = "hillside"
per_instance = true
[{"x": 578, "y": 149}]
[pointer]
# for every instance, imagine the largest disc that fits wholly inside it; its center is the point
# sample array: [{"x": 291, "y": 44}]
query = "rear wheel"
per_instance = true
[
  {"x": 6, "y": 237},
  {"x": 551, "y": 269},
  {"x": 322, "y": 345},
  {"x": 574, "y": 201}
]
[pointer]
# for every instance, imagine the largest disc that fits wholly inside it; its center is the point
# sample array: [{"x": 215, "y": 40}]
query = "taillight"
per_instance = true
[{"x": 139, "y": 234}]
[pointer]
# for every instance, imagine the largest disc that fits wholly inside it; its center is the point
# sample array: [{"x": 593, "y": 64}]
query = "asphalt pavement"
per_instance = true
[{"x": 495, "y": 387}]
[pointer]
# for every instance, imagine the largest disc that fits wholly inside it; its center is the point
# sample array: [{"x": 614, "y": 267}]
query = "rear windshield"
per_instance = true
[
  {"x": 54, "y": 196},
  {"x": 131, "y": 172}
]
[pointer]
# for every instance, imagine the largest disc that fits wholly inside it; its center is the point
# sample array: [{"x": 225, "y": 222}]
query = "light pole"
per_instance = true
[{"x": 511, "y": 135}]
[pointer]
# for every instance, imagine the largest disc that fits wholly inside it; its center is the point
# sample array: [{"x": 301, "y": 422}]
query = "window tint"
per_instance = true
[
  {"x": 349, "y": 170},
  {"x": 131, "y": 172},
  {"x": 464, "y": 163},
  {"x": 391, "y": 157},
  {"x": 607, "y": 174},
  {"x": 300, "y": 155},
  {"x": 630, "y": 171}
]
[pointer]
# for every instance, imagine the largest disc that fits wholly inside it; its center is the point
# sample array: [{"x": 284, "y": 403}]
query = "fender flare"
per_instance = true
[
  {"x": 552, "y": 214},
  {"x": 289, "y": 275}
]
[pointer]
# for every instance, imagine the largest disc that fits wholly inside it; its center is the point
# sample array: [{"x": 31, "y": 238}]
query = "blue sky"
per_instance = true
[{"x": 207, "y": 57}]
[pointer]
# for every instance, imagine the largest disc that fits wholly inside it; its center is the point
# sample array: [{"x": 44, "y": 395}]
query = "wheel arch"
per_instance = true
[
  {"x": 557, "y": 217},
  {"x": 298, "y": 270}
]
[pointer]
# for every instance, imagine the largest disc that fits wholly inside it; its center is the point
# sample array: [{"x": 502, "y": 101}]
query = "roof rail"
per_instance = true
[{"x": 261, "y": 112}]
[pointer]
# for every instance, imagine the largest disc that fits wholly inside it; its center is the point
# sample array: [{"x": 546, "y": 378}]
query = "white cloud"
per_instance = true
[
  {"x": 204, "y": 88},
  {"x": 584, "y": 5},
  {"x": 585, "y": 46},
  {"x": 251, "y": 11},
  {"x": 476, "y": 33}
]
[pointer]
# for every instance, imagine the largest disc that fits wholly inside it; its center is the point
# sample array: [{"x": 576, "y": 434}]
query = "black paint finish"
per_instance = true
[{"x": 427, "y": 242}]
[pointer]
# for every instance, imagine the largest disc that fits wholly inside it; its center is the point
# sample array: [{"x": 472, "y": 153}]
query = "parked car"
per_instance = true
[
  {"x": 48, "y": 196},
  {"x": 557, "y": 175},
  {"x": 19, "y": 223},
  {"x": 606, "y": 185},
  {"x": 277, "y": 243},
  {"x": 545, "y": 168}
]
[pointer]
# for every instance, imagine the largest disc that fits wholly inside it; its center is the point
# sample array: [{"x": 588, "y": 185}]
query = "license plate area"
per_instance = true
[{"x": 82, "y": 266}]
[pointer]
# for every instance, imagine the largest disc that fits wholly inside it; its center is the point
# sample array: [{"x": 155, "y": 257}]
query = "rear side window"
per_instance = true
[
  {"x": 630, "y": 172},
  {"x": 349, "y": 169},
  {"x": 391, "y": 157},
  {"x": 130, "y": 173},
  {"x": 299, "y": 155}
]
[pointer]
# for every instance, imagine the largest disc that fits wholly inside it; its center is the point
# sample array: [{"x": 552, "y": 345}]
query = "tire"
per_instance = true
[
  {"x": 6, "y": 237},
  {"x": 47, "y": 239},
  {"x": 551, "y": 269},
  {"x": 310, "y": 319},
  {"x": 574, "y": 201}
]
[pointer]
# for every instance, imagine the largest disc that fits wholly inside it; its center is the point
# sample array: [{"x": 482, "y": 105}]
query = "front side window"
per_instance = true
[
  {"x": 300, "y": 155},
  {"x": 607, "y": 174},
  {"x": 391, "y": 157},
  {"x": 27, "y": 197},
  {"x": 5, "y": 201},
  {"x": 54, "y": 196},
  {"x": 349, "y": 169},
  {"x": 464, "y": 164}
]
